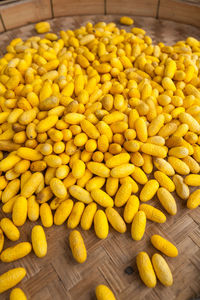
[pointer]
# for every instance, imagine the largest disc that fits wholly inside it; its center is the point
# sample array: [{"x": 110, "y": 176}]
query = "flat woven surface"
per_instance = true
[{"x": 59, "y": 277}]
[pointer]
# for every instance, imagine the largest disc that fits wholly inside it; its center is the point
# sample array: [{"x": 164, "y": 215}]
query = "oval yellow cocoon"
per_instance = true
[
  {"x": 102, "y": 198},
  {"x": 16, "y": 252},
  {"x": 115, "y": 220},
  {"x": 149, "y": 190},
  {"x": 104, "y": 293},
  {"x": 101, "y": 226},
  {"x": 39, "y": 241},
  {"x": 11, "y": 278},
  {"x": 63, "y": 211},
  {"x": 167, "y": 201},
  {"x": 17, "y": 294},
  {"x": 145, "y": 269},
  {"x": 164, "y": 245},
  {"x": 138, "y": 226},
  {"x": 162, "y": 270},
  {"x": 77, "y": 246}
]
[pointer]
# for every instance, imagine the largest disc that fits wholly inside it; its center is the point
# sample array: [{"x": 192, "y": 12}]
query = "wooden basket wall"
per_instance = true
[{"x": 14, "y": 13}]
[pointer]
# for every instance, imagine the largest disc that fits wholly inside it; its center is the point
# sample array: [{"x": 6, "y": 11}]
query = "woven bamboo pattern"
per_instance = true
[{"x": 58, "y": 276}]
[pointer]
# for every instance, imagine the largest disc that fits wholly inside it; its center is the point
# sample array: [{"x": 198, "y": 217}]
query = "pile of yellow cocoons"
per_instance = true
[{"x": 94, "y": 123}]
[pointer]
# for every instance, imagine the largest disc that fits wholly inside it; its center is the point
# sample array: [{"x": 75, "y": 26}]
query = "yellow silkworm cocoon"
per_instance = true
[
  {"x": 118, "y": 160},
  {"x": 53, "y": 160},
  {"x": 137, "y": 159},
  {"x": 170, "y": 69},
  {"x": 11, "y": 278},
  {"x": 164, "y": 181},
  {"x": 75, "y": 215},
  {"x": 123, "y": 194},
  {"x": 139, "y": 176},
  {"x": 102, "y": 198},
  {"x": 8, "y": 206},
  {"x": 112, "y": 185},
  {"x": 115, "y": 220},
  {"x": 146, "y": 270},
  {"x": 46, "y": 124},
  {"x": 193, "y": 200},
  {"x": 164, "y": 245},
  {"x": 78, "y": 169},
  {"x": 73, "y": 118},
  {"x": 168, "y": 84},
  {"x": 148, "y": 163},
  {"x": 104, "y": 128},
  {"x": 167, "y": 201},
  {"x": 163, "y": 166},
  {"x": 156, "y": 125},
  {"x": 131, "y": 146},
  {"x": 95, "y": 183},
  {"x": 44, "y": 195},
  {"x": 119, "y": 127},
  {"x": 1, "y": 240},
  {"x": 77, "y": 246},
  {"x": 9, "y": 162},
  {"x": 178, "y": 165},
  {"x": 62, "y": 171},
  {"x": 3, "y": 183},
  {"x": 31, "y": 184},
  {"x": 18, "y": 251},
  {"x": 91, "y": 131},
  {"x": 153, "y": 213},
  {"x": 174, "y": 141},
  {"x": 113, "y": 117},
  {"x": 101, "y": 226},
  {"x": 192, "y": 123},
  {"x": 192, "y": 180},
  {"x": 84, "y": 180},
  {"x": 88, "y": 216},
  {"x": 179, "y": 152},
  {"x": 138, "y": 226},
  {"x": 17, "y": 294},
  {"x": 196, "y": 153},
  {"x": 29, "y": 154},
  {"x": 182, "y": 189},
  {"x": 162, "y": 270},
  {"x": 157, "y": 140},
  {"x": 11, "y": 190},
  {"x": 22, "y": 166},
  {"x": 149, "y": 190},
  {"x": 154, "y": 150},
  {"x": 39, "y": 241},
  {"x": 9, "y": 229},
  {"x": 32, "y": 209},
  {"x": 63, "y": 211},
  {"x": 58, "y": 188},
  {"x": 98, "y": 169},
  {"x": 102, "y": 291},
  {"x": 122, "y": 170},
  {"x": 46, "y": 215},
  {"x": 19, "y": 211},
  {"x": 125, "y": 21},
  {"x": 141, "y": 129},
  {"x": 27, "y": 117},
  {"x": 80, "y": 139},
  {"x": 181, "y": 130},
  {"x": 80, "y": 194},
  {"x": 42, "y": 27},
  {"x": 131, "y": 208}
]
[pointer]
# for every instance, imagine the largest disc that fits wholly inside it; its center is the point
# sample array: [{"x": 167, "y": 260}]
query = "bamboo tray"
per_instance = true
[{"x": 58, "y": 276}]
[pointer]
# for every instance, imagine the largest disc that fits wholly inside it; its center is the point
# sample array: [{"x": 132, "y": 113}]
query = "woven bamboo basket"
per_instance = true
[{"x": 58, "y": 276}]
